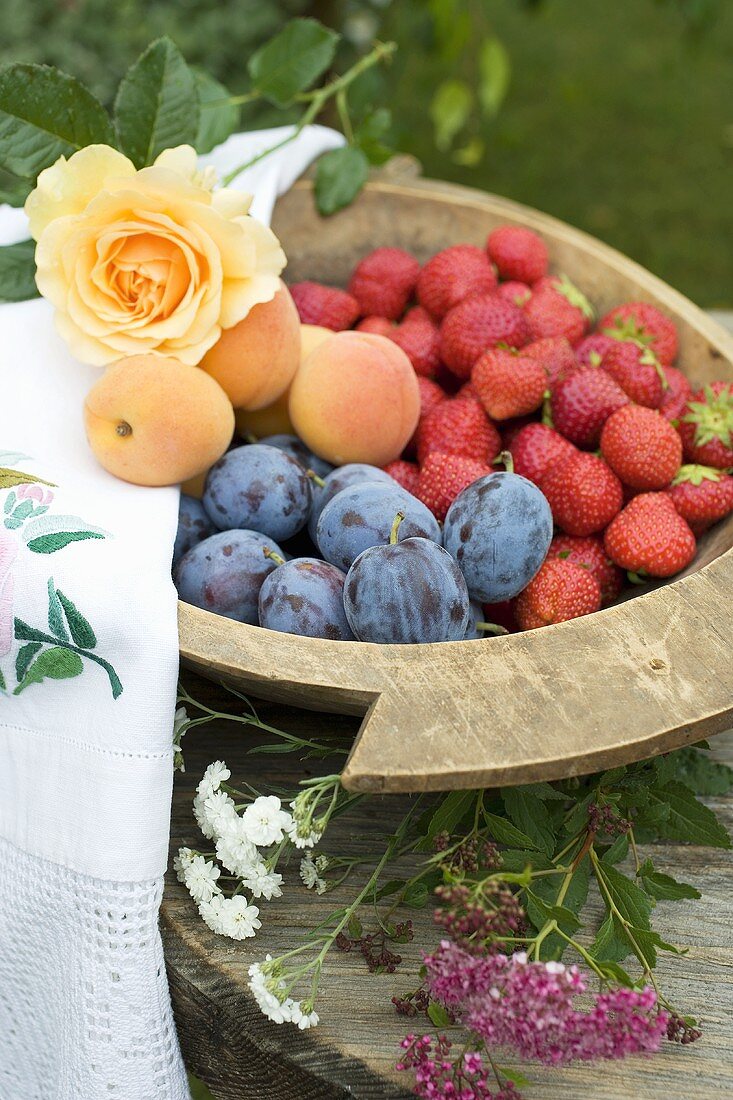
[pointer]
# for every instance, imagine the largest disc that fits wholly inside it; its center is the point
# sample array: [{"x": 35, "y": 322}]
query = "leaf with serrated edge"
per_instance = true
[
  {"x": 18, "y": 272},
  {"x": 157, "y": 104},
  {"x": 293, "y": 60},
  {"x": 340, "y": 176}
]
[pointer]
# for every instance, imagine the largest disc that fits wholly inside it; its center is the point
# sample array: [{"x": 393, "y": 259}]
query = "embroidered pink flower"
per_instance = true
[
  {"x": 34, "y": 492},
  {"x": 8, "y": 554}
]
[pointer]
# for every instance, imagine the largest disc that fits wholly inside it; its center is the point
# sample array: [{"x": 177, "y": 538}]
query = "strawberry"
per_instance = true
[
  {"x": 561, "y": 591},
  {"x": 510, "y": 429},
  {"x": 702, "y": 495},
  {"x": 706, "y": 426},
  {"x": 591, "y": 553},
  {"x": 556, "y": 356},
  {"x": 582, "y": 402},
  {"x": 641, "y": 447},
  {"x": 515, "y": 292},
  {"x": 443, "y": 477},
  {"x": 404, "y": 473},
  {"x": 458, "y": 426},
  {"x": 650, "y": 537},
  {"x": 558, "y": 308},
  {"x": 459, "y": 272},
  {"x": 536, "y": 448},
  {"x": 419, "y": 338},
  {"x": 476, "y": 325},
  {"x": 583, "y": 493},
  {"x": 324, "y": 305},
  {"x": 378, "y": 326},
  {"x": 508, "y": 383},
  {"x": 646, "y": 324},
  {"x": 637, "y": 371},
  {"x": 518, "y": 253},
  {"x": 676, "y": 395},
  {"x": 591, "y": 349},
  {"x": 431, "y": 395},
  {"x": 384, "y": 281}
]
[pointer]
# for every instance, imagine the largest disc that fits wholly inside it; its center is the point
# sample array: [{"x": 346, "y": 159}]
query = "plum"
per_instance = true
[
  {"x": 342, "y": 478},
  {"x": 306, "y": 596},
  {"x": 499, "y": 531},
  {"x": 363, "y": 516},
  {"x": 258, "y": 488},
  {"x": 225, "y": 572},
  {"x": 297, "y": 449},
  {"x": 193, "y": 526}
]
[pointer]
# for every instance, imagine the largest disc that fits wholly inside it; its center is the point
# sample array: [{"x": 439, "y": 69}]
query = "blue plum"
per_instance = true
[
  {"x": 342, "y": 478},
  {"x": 499, "y": 530},
  {"x": 306, "y": 596},
  {"x": 363, "y": 516},
  {"x": 258, "y": 488},
  {"x": 193, "y": 526},
  {"x": 475, "y": 616},
  {"x": 297, "y": 449},
  {"x": 225, "y": 572},
  {"x": 406, "y": 592}
]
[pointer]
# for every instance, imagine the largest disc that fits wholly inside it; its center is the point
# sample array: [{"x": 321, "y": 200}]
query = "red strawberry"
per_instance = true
[
  {"x": 641, "y": 447},
  {"x": 419, "y": 338},
  {"x": 518, "y": 253},
  {"x": 643, "y": 322},
  {"x": 476, "y": 325},
  {"x": 515, "y": 292},
  {"x": 404, "y": 473},
  {"x": 650, "y": 537},
  {"x": 591, "y": 349},
  {"x": 676, "y": 395},
  {"x": 431, "y": 396},
  {"x": 702, "y": 495},
  {"x": 510, "y": 429},
  {"x": 582, "y": 402},
  {"x": 459, "y": 272},
  {"x": 384, "y": 281},
  {"x": 590, "y": 552},
  {"x": 637, "y": 371},
  {"x": 706, "y": 426},
  {"x": 443, "y": 477},
  {"x": 378, "y": 326},
  {"x": 536, "y": 448},
  {"x": 583, "y": 493},
  {"x": 508, "y": 383},
  {"x": 556, "y": 356},
  {"x": 558, "y": 308},
  {"x": 324, "y": 305},
  {"x": 458, "y": 426},
  {"x": 561, "y": 591}
]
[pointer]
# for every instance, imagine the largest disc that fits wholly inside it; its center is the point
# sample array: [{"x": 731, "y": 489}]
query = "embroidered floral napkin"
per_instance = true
[{"x": 88, "y": 666}]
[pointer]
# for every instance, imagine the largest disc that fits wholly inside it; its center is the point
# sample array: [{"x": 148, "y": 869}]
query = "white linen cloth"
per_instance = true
[{"x": 86, "y": 777}]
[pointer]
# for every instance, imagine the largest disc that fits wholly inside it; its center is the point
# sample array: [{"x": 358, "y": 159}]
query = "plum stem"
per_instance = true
[
  {"x": 277, "y": 558},
  {"x": 314, "y": 477},
  {"x": 505, "y": 459},
  {"x": 395, "y": 528},
  {"x": 491, "y": 628}
]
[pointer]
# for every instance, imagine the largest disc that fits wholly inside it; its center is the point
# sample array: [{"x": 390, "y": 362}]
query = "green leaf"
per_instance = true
[
  {"x": 3, "y": 685},
  {"x": 14, "y": 190},
  {"x": 416, "y": 896},
  {"x": 494, "y": 75},
  {"x": 631, "y": 901},
  {"x": 293, "y": 60},
  {"x": 513, "y": 859},
  {"x": 56, "y": 623},
  {"x": 544, "y": 792},
  {"x": 26, "y": 653},
  {"x": 9, "y": 478},
  {"x": 439, "y": 1015},
  {"x": 26, "y": 633},
  {"x": 514, "y": 1075},
  {"x": 18, "y": 272},
  {"x": 529, "y": 813},
  {"x": 701, "y": 774},
  {"x": 45, "y": 114},
  {"x": 618, "y": 851},
  {"x": 688, "y": 819},
  {"x": 57, "y": 663},
  {"x": 217, "y": 118},
  {"x": 49, "y": 544},
  {"x": 503, "y": 832},
  {"x": 157, "y": 104},
  {"x": 450, "y": 109},
  {"x": 451, "y": 809},
  {"x": 540, "y": 912},
  {"x": 617, "y": 973},
  {"x": 80, "y": 628},
  {"x": 354, "y": 927},
  {"x": 391, "y": 887},
  {"x": 611, "y": 943},
  {"x": 664, "y": 887},
  {"x": 340, "y": 176},
  {"x": 369, "y": 134}
]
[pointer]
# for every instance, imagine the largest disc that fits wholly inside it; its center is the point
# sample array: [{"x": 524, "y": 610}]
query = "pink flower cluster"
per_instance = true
[
  {"x": 528, "y": 1007},
  {"x": 437, "y": 1076}
]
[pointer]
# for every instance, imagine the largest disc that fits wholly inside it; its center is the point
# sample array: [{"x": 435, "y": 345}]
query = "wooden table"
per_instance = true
[{"x": 242, "y": 1056}]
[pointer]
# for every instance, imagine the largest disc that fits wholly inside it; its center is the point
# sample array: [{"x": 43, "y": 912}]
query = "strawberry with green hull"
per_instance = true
[
  {"x": 477, "y": 324},
  {"x": 649, "y": 538},
  {"x": 384, "y": 281},
  {"x": 641, "y": 447},
  {"x": 459, "y": 272},
  {"x": 591, "y": 554},
  {"x": 676, "y": 395},
  {"x": 517, "y": 253},
  {"x": 324, "y": 305},
  {"x": 558, "y": 308},
  {"x": 508, "y": 383},
  {"x": 555, "y": 354},
  {"x": 583, "y": 492},
  {"x": 591, "y": 349},
  {"x": 515, "y": 292},
  {"x": 706, "y": 426},
  {"x": 561, "y": 591},
  {"x": 646, "y": 324},
  {"x": 702, "y": 495},
  {"x": 637, "y": 371}
]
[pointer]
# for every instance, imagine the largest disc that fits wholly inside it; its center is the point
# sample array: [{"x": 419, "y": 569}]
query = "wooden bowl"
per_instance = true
[{"x": 642, "y": 677}]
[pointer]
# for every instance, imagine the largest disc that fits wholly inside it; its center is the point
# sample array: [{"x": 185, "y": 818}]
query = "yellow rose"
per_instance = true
[{"x": 146, "y": 261}]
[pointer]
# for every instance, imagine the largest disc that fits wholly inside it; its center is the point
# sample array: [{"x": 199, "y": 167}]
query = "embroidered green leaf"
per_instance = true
[
  {"x": 218, "y": 118},
  {"x": 293, "y": 60},
  {"x": 57, "y": 663},
  {"x": 49, "y": 533},
  {"x": 81, "y": 630},
  {"x": 49, "y": 544},
  {"x": 2, "y": 681},
  {"x": 45, "y": 114},
  {"x": 56, "y": 623},
  {"x": 26, "y": 653},
  {"x": 18, "y": 272},
  {"x": 157, "y": 105},
  {"x": 9, "y": 478},
  {"x": 26, "y": 633},
  {"x": 9, "y": 502},
  {"x": 12, "y": 458}
]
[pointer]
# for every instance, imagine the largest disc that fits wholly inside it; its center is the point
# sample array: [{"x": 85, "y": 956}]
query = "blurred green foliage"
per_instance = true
[{"x": 617, "y": 117}]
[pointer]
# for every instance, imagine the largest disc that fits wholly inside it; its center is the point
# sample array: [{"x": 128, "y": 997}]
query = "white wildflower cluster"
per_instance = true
[
  {"x": 269, "y": 990},
  {"x": 310, "y": 868}
]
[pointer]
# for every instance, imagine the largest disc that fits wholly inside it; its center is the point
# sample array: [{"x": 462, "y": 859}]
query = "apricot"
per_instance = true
[
  {"x": 355, "y": 399},
  {"x": 155, "y": 421},
  {"x": 255, "y": 360}
]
